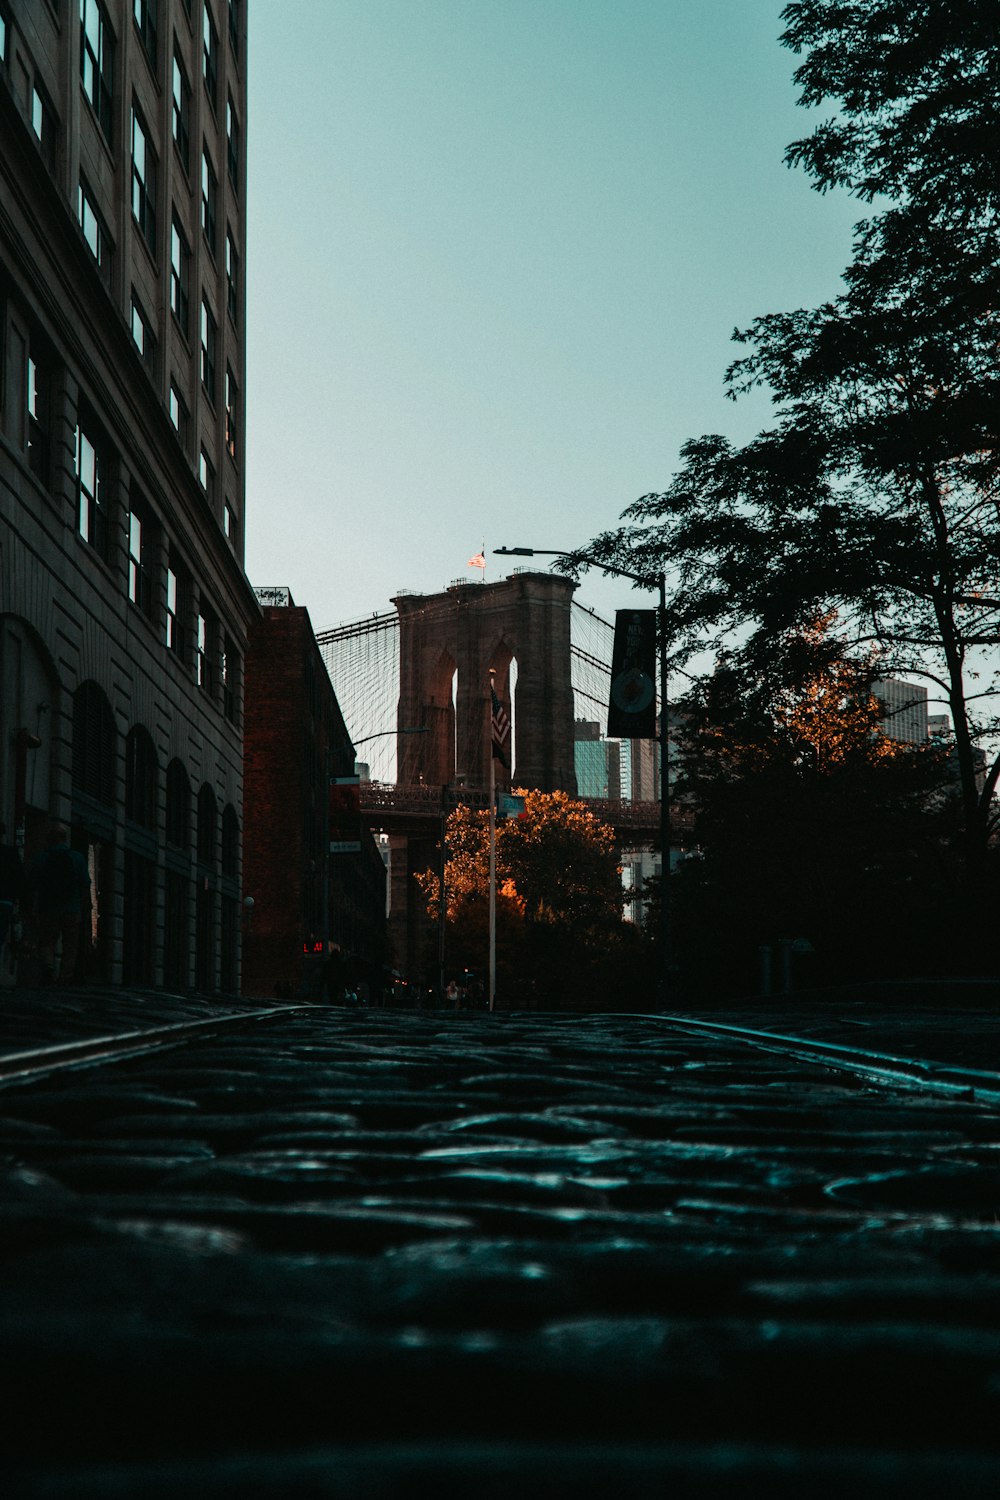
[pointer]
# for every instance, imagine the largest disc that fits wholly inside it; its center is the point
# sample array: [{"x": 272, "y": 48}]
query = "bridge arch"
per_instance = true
[{"x": 524, "y": 618}]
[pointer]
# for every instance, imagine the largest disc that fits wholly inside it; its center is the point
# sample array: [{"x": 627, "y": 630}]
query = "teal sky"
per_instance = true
[{"x": 496, "y": 253}]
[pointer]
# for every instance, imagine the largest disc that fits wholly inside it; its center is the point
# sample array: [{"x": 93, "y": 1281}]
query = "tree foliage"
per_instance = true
[
  {"x": 916, "y": 84},
  {"x": 876, "y": 491},
  {"x": 557, "y": 863},
  {"x": 810, "y": 822},
  {"x": 561, "y": 937}
]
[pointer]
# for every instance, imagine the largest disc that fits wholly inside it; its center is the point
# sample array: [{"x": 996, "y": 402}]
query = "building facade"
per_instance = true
[
  {"x": 124, "y": 606},
  {"x": 903, "y": 707},
  {"x": 310, "y": 905},
  {"x": 598, "y": 762}
]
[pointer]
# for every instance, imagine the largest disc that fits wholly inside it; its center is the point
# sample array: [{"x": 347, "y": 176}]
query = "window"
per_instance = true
[
  {"x": 38, "y": 418},
  {"x": 232, "y": 144},
  {"x": 143, "y": 181},
  {"x": 230, "y": 842},
  {"x": 94, "y": 230},
  {"x": 180, "y": 267},
  {"x": 209, "y": 339},
  {"x": 234, "y": 26},
  {"x": 205, "y": 831},
  {"x": 209, "y": 199},
  {"x": 43, "y": 123},
  {"x": 229, "y": 524},
  {"x": 91, "y": 486},
  {"x": 204, "y": 675},
  {"x": 140, "y": 590},
  {"x": 97, "y": 60},
  {"x": 94, "y": 744},
  {"x": 178, "y": 414},
  {"x": 181, "y": 112},
  {"x": 141, "y": 776},
  {"x": 230, "y": 679},
  {"x": 206, "y": 474},
  {"x": 144, "y": 12},
  {"x": 210, "y": 55},
  {"x": 3, "y": 36},
  {"x": 174, "y": 631},
  {"x": 142, "y": 334},
  {"x": 232, "y": 276},
  {"x": 178, "y": 809},
  {"x": 232, "y": 412}
]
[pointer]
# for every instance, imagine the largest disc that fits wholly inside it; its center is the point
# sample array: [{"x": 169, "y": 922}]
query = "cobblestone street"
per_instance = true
[{"x": 383, "y": 1253}]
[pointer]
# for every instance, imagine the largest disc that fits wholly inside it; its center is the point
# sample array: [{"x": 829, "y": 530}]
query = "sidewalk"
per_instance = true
[
  {"x": 948, "y": 1021},
  {"x": 46, "y": 1016}
]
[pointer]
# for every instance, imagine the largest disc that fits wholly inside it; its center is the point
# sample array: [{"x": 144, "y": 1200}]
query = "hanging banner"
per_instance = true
[
  {"x": 632, "y": 702},
  {"x": 345, "y": 815},
  {"x": 509, "y": 806}
]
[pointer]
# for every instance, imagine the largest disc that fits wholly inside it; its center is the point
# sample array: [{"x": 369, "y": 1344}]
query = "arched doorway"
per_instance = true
[
  {"x": 141, "y": 807},
  {"x": 94, "y": 775},
  {"x": 29, "y": 701},
  {"x": 29, "y": 705},
  {"x": 206, "y": 845},
  {"x": 177, "y": 879},
  {"x": 229, "y": 885}
]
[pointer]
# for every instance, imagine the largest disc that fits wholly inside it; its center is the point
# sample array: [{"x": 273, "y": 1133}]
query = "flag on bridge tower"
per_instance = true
[
  {"x": 499, "y": 728},
  {"x": 479, "y": 561}
]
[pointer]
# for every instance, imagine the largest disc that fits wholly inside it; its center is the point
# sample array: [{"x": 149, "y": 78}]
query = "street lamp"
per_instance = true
[
  {"x": 661, "y": 584},
  {"x": 380, "y": 734}
]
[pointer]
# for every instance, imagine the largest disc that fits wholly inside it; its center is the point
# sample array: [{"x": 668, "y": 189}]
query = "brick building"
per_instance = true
[
  {"x": 123, "y": 601},
  {"x": 307, "y": 902}
]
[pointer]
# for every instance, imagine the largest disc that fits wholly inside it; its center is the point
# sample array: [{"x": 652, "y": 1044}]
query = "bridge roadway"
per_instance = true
[
  {"x": 374, "y": 1254},
  {"x": 419, "y": 809}
]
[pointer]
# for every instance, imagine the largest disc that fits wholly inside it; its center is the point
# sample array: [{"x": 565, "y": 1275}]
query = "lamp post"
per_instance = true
[
  {"x": 663, "y": 737},
  {"x": 379, "y": 734}
]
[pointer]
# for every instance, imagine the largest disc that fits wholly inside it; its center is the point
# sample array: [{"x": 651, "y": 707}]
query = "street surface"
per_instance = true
[{"x": 383, "y": 1253}]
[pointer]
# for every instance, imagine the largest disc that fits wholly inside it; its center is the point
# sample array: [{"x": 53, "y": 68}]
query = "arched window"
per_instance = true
[
  {"x": 207, "y": 819},
  {"x": 141, "y": 772},
  {"x": 178, "y": 805},
  {"x": 230, "y": 841},
  {"x": 94, "y": 744}
]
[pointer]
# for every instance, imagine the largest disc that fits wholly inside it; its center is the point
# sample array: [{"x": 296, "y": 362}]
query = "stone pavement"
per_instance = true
[{"x": 379, "y": 1254}]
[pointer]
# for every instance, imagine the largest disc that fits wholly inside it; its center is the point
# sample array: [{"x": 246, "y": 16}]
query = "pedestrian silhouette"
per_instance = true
[
  {"x": 12, "y": 885},
  {"x": 61, "y": 885}
]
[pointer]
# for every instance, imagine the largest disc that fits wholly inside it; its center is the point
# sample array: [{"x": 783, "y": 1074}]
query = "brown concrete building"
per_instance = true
[
  {"x": 308, "y": 903},
  {"x": 123, "y": 602},
  {"x": 468, "y": 629}
]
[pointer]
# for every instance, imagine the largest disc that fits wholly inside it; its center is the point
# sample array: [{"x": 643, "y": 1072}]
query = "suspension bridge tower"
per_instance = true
[{"x": 471, "y": 627}]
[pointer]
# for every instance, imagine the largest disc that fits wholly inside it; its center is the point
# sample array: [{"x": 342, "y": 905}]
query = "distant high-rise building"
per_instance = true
[
  {"x": 645, "y": 770},
  {"x": 904, "y": 709},
  {"x": 124, "y": 607},
  {"x": 597, "y": 762}
]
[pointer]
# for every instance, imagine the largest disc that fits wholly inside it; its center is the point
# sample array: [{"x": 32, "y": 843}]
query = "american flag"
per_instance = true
[{"x": 500, "y": 725}]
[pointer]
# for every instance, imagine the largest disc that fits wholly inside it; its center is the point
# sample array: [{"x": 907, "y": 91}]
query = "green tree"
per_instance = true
[
  {"x": 557, "y": 863},
  {"x": 560, "y": 928},
  {"x": 917, "y": 90},
  {"x": 876, "y": 492},
  {"x": 563, "y": 863},
  {"x": 809, "y": 822}
]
